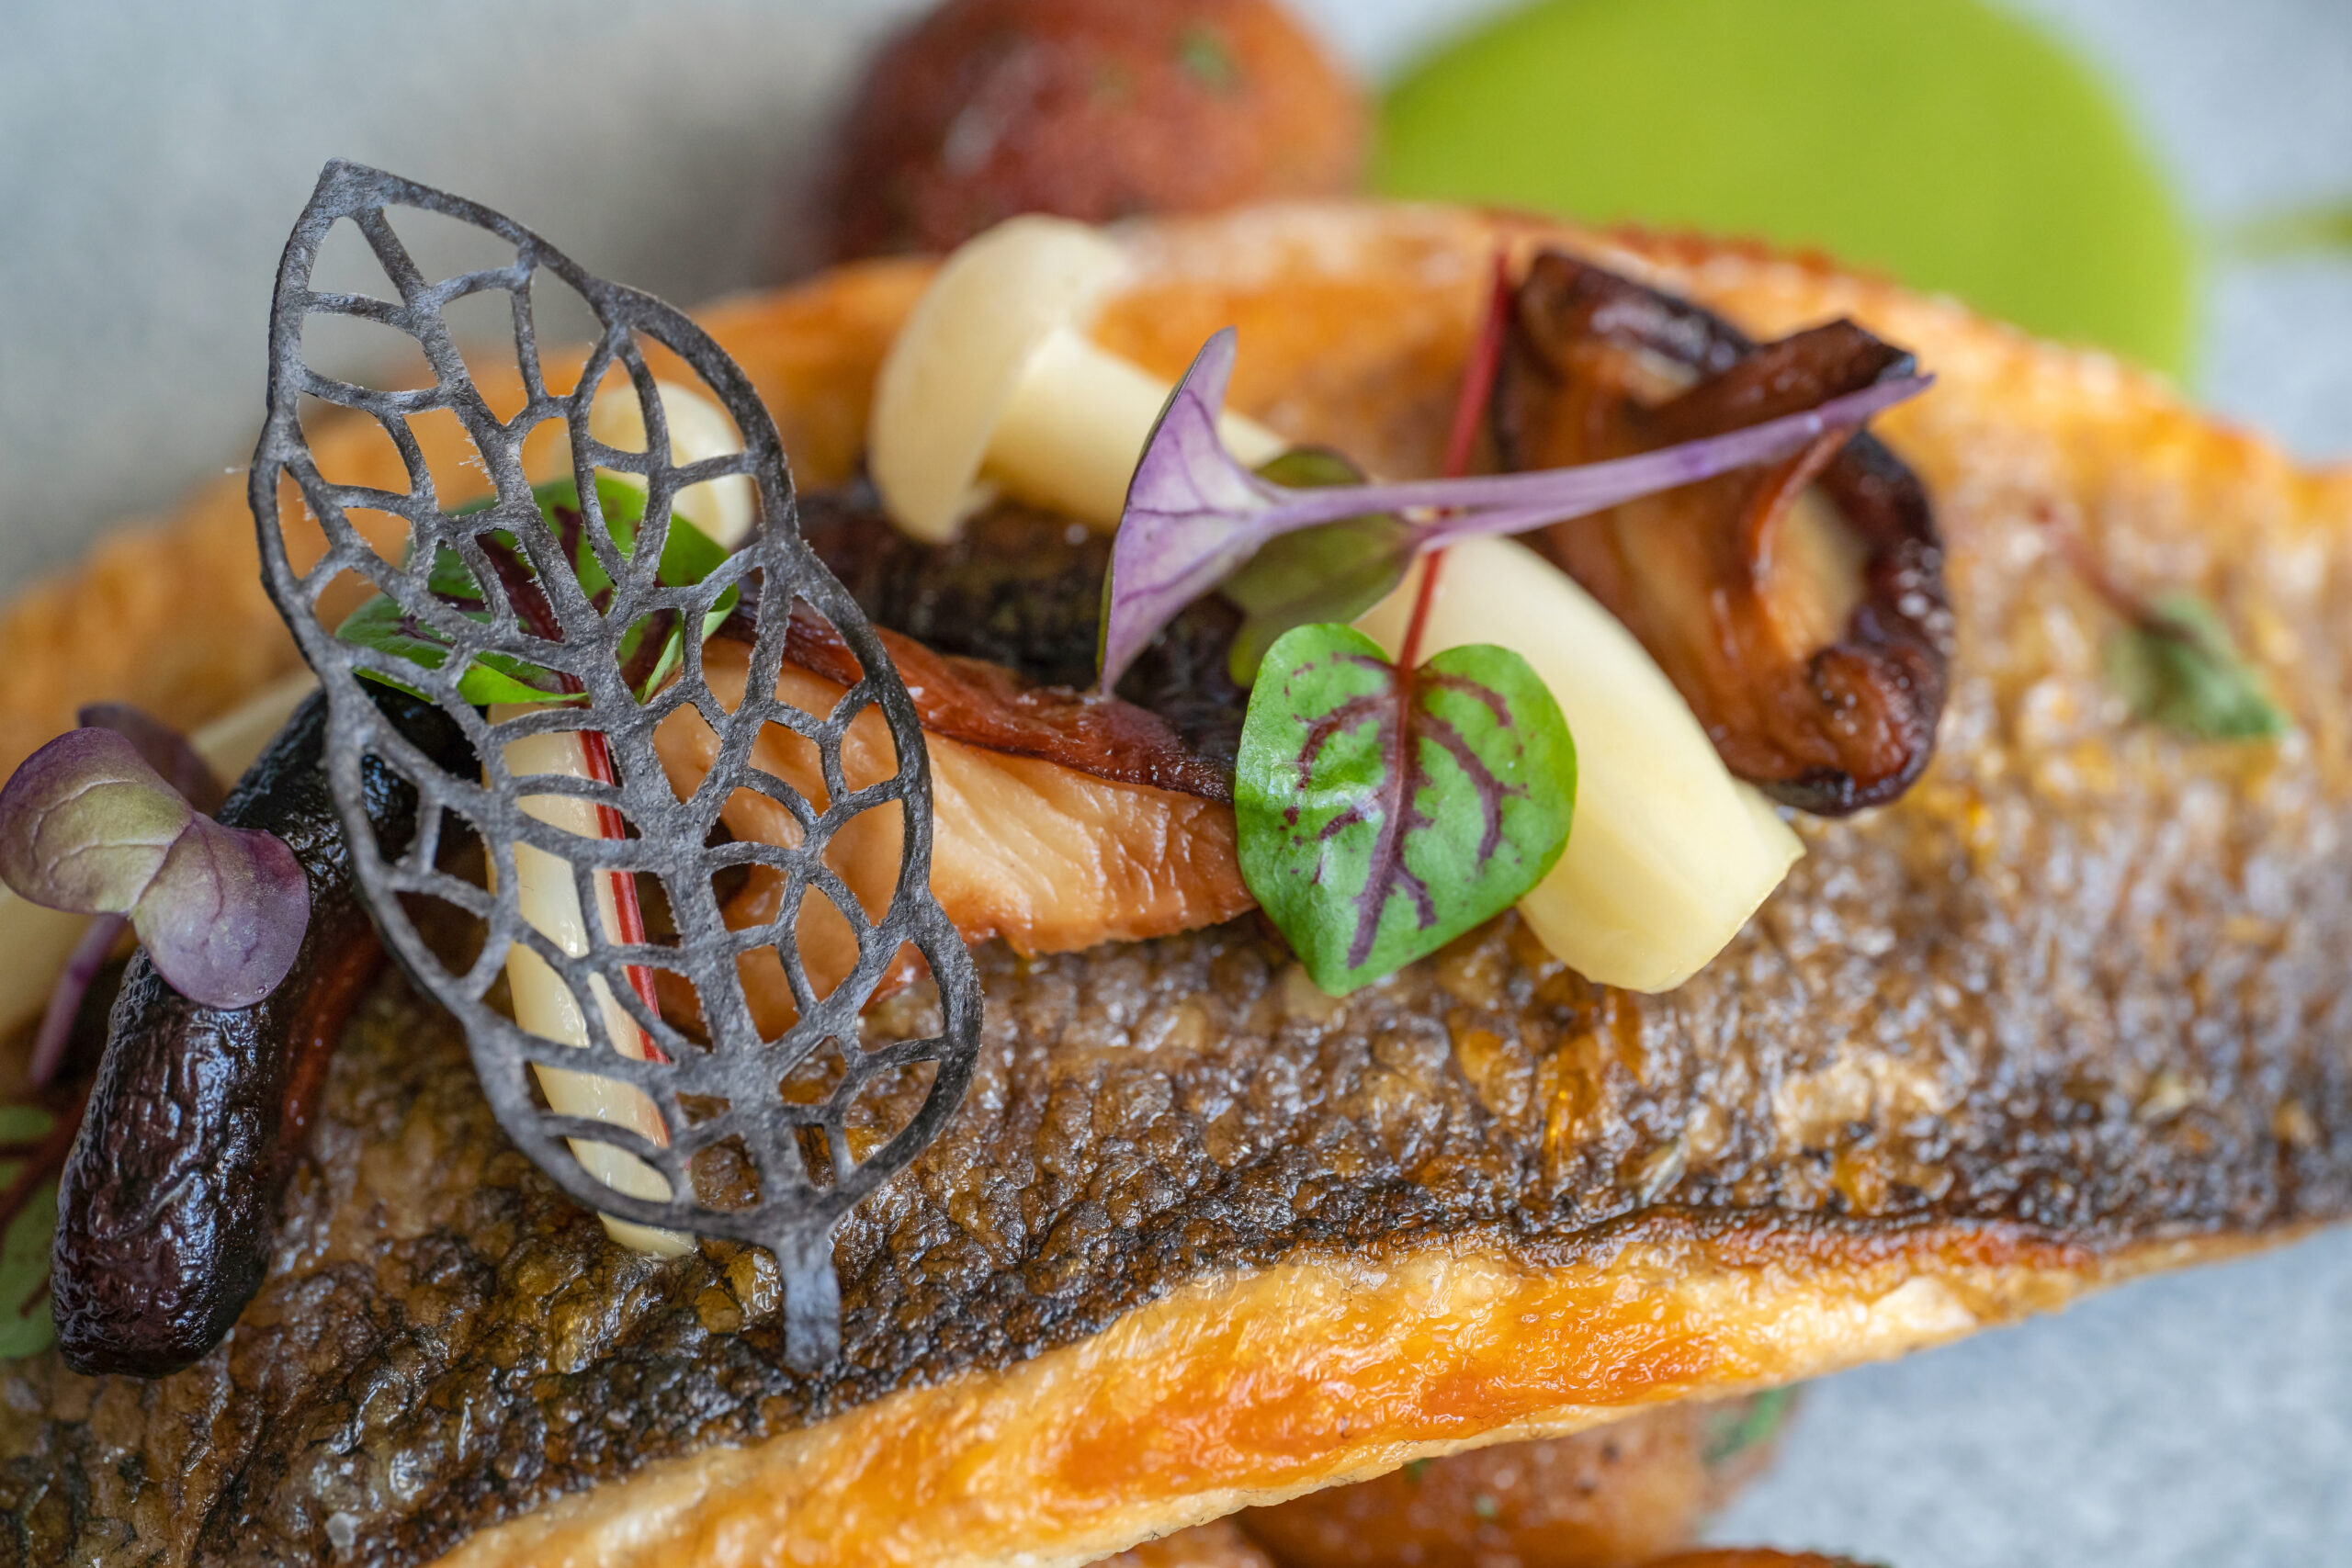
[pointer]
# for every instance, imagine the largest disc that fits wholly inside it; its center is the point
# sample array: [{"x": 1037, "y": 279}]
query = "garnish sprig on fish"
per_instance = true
[
  {"x": 653, "y": 644},
  {"x": 1385, "y": 805},
  {"x": 90, "y": 824},
  {"x": 1195, "y": 515}
]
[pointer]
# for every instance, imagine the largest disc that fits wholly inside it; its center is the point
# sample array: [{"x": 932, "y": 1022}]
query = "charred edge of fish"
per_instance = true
[
  {"x": 1597, "y": 366},
  {"x": 167, "y": 1206}
]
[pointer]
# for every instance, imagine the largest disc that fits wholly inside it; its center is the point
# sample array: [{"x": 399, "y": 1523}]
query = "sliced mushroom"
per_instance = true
[{"x": 1798, "y": 606}]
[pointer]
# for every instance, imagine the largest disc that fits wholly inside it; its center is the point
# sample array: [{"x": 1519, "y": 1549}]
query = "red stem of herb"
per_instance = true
[
  {"x": 531, "y": 607},
  {"x": 2130, "y": 608},
  {"x": 1469, "y": 412},
  {"x": 628, "y": 913}
]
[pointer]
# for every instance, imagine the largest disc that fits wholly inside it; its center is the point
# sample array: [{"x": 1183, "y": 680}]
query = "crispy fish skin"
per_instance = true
[{"x": 1200, "y": 1237}]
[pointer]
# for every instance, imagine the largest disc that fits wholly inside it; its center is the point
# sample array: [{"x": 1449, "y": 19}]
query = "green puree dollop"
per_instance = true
[{"x": 1945, "y": 141}]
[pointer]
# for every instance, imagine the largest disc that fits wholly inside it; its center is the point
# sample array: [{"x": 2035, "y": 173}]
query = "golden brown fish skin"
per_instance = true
[{"x": 1199, "y": 1239}]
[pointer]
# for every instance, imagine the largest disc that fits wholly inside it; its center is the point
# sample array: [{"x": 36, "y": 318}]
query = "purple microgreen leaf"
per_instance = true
[
  {"x": 166, "y": 751},
  {"x": 224, "y": 917},
  {"x": 88, "y": 824},
  {"x": 1194, "y": 514},
  {"x": 82, "y": 967},
  {"x": 1381, "y": 814},
  {"x": 85, "y": 824}
]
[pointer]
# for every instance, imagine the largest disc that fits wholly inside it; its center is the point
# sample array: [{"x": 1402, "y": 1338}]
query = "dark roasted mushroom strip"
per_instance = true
[
  {"x": 1798, "y": 606},
  {"x": 166, "y": 1207},
  {"x": 1023, "y": 589}
]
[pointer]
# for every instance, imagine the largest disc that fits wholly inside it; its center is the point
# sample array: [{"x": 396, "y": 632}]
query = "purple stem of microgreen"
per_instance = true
[
  {"x": 89, "y": 956},
  {"x": 1194, "y": 512}
]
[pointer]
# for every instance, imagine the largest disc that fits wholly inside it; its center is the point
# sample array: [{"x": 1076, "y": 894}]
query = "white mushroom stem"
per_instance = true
[
  {"x": 1668, "y": 854},
  {"x": 545, "y": 1006},
  {"x": 40, "y": 942},
  {"x": 992, "y": 387},
  {"x": 725, "y": 509},
  {"x": 1076, "y": 422}
]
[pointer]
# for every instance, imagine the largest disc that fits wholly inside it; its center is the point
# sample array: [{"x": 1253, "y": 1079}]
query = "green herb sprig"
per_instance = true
[{"x": 649, "y": 650}]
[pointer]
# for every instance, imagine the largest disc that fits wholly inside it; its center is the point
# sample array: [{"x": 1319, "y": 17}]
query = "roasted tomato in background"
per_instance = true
[{"x": 1093, "y": 109}]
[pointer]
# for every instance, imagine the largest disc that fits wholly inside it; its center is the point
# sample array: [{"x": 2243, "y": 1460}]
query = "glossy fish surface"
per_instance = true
[{"x": 1200, "y": 1236}]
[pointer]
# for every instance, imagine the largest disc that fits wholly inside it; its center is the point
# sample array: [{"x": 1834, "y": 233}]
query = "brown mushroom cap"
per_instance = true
[
  {"x": 1092, "y": 109},
  {"x": 1798, "y": 606}
]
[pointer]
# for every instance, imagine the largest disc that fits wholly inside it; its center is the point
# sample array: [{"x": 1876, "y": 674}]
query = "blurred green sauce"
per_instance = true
[{"x": 1944, "y": 141}]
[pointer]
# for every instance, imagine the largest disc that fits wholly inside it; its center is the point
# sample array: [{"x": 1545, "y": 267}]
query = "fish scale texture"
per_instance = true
[{"x": 2085, "y": 983}]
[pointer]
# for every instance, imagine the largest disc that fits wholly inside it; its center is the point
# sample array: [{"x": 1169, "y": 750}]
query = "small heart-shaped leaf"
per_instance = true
[{"x": 1382, "y": 813}]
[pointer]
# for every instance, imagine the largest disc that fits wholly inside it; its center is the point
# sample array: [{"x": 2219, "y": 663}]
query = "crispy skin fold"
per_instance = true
[{"x": 2073, "y": 1009}]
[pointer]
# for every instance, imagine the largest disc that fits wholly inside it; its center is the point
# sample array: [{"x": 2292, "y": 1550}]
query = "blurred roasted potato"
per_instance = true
[
  {"x": 1093, "y": 109},
  {"x": 1611, "y": 1497}
]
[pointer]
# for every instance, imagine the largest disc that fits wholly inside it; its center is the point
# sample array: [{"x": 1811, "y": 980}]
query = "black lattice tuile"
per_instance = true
[{"x": 722, "y": 1081}]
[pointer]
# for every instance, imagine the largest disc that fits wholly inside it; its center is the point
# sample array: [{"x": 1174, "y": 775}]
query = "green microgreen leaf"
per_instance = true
[
  {"x": 1383, "y": 815},
  {"x": 689, "y": 556},
  {"x": 1735, "y": 1429},
  {"x": 2178, "y": 666},
  {"x": 2327, "y": 226},
  {"x": 25, "y": 1327},
  {"x": 1333, "y": 571}
]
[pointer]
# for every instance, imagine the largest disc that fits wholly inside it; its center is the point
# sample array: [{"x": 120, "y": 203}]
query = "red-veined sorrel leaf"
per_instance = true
[
  {"x": 1382, "y": 814},
  {"x": 650, "y": 650}
]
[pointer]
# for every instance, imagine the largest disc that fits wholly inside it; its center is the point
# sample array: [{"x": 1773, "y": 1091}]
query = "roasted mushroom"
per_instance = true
[
  {"x": 1092, "y": 109},
  {"x": 1799, "y": 606}
]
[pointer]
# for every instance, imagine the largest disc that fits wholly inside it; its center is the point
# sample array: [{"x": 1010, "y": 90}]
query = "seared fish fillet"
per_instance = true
[{"x": 2073, "y": 1009}]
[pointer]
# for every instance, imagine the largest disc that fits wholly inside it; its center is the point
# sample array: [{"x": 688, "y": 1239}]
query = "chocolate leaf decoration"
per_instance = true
[
  {"x": 659, "y": 1090},
  {"x": 2176, "y": 665},
  {"x": 1332, "y": 571},
  {"x": 1383, "y": 814}
]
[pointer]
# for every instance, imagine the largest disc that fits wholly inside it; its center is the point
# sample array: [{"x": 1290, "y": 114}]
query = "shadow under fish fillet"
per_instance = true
[{"x": 2073, "y": 1009}]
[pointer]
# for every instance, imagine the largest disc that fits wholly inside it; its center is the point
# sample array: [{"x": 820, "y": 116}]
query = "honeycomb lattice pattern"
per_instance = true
[{"x": 720, "y": 1081}]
